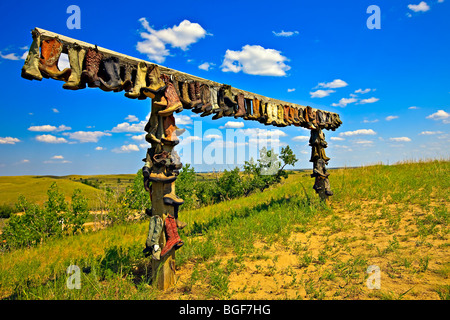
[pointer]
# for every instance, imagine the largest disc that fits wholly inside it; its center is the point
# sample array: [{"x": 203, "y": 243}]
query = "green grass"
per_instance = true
[{"x": 404, "y": 206}]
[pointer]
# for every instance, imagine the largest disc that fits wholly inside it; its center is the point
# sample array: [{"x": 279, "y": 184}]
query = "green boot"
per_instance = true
[
  {"x": 30, "y": 69},
  {"x": 154, "y": 232},
  {"x": 76, "y": 57},
  {"x": 139, "y": 81}
]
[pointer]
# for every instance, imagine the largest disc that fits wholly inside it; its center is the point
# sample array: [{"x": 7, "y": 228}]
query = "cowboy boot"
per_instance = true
[
  {"x": 153, "y": 123},
  {"x": 180, "y": 224},
  {"x": 92, "y": 66},
  {"x": 111, "y": 74},
  {"x": 30, "y": 69},
  {"x": 194, "y": 94},
  {"x": 241, "y": 106},
  {"x": 173, "y": 101},
  {"x": 255, "y": 110},
  {"x": 263, "y": 115},
  {"x": 76, "y": 57},
  {"x": 160, "y": 174},
  {"x": 154, "y": 84},
  {"x": 169, "y": 131},
  {"x": 185, "y": 100},
  {"x": 248, "y": 108},
  {"x": 309, "y": 118},
  {"x": 214, "y": 102},
  {"x": 269, "y": 110},
  {"x": 221, "y": 102},
  {"x": 173, "y": 240},
  {"x": 170, "y": 198},
  {"x": 154, "y": 233},
  {"x": 206, "y": 100},
  {"x": 139, "y": 82},
  {"x": 48, "y": 63},
  {"x": 228, "y": 96},
  {"x": 320, "y": 119},
  {"x": 281, "y": 116},
  {"x": 130, "y": 72},
  {"x": 146, "y": 171}
]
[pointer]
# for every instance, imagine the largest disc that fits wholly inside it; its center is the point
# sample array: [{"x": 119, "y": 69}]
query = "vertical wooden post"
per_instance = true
[{"x": 163, "y": 271}]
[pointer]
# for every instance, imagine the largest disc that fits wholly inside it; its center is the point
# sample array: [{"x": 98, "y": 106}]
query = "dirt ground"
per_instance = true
[{"x": 331, "y": 258}]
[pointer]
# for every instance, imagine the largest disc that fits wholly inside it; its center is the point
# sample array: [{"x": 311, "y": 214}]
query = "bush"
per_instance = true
[
  {"x": 36, "y": 224},
  {"x": 6, "y": 211}
]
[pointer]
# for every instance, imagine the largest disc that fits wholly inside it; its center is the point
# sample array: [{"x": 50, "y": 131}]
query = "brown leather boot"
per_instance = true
[
  {"x": 48, "y": 63},
  {"x": 310, "y": 118},
  {"x": 173, "y": 101},
  {"x": 173, "y": 238},
  {"x": 255, "y": 110},
  {"x": 170, "y": 138},
  {"x": 92, "y": 65},
  {"x": 206, "y": 100},
  {"x": 194, "y": 94},
  {"x": 185, "y": 100},
  {"x": 241, "y": 106}
]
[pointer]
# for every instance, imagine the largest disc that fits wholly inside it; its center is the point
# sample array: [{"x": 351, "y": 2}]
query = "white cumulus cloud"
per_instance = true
[
  {"x": 283, "y": 33},
  {"x": 440, "y": 115},
  {"x": 389, "y": 118},
  {"x": 400, "y": 139},
  {"x": 344, "y": 102},
  {"x": 370, "y": 100},
  {"x": 255, "y": 60},
  {"x": 126, "y": 148},
  {"x": 336, "y": 83},
  {"x": 232, "y": 125},
  {"x": 320, "y": 93},
  {"x": 86, "y": 136},
  {"x": 357, "y": 133},
  {"x": 8, "y": 140},
  {"x": 179, "y": 36},
  {"x": 48, "y": 138},
  {"x": 421, "y": 7}
]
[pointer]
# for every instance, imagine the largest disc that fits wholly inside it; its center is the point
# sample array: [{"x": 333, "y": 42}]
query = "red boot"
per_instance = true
[{"x": 173, "y": 239}]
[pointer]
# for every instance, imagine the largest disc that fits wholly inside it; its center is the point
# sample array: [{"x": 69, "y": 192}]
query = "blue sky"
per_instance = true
[{"x": 390, "y": 86}]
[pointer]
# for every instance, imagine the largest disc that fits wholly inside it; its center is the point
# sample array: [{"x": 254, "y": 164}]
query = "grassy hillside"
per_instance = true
[
  {"x": 280, "y": 244},
  {"x": 34, "y": 188}
]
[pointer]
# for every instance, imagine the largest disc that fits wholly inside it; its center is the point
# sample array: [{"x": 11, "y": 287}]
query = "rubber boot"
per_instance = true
[
  {"x": 173, "y": 240},
  {"x": 241, "y": 106},
  {"x": 48, "y": 63},
  {"x": 30, "y": 69},
  {"x": 92, "y": 66},
  {"x": 76, "y": 57}
]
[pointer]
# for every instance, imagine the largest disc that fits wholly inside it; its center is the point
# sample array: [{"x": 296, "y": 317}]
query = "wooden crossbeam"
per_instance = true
[{"x": 45, "y": 34}]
